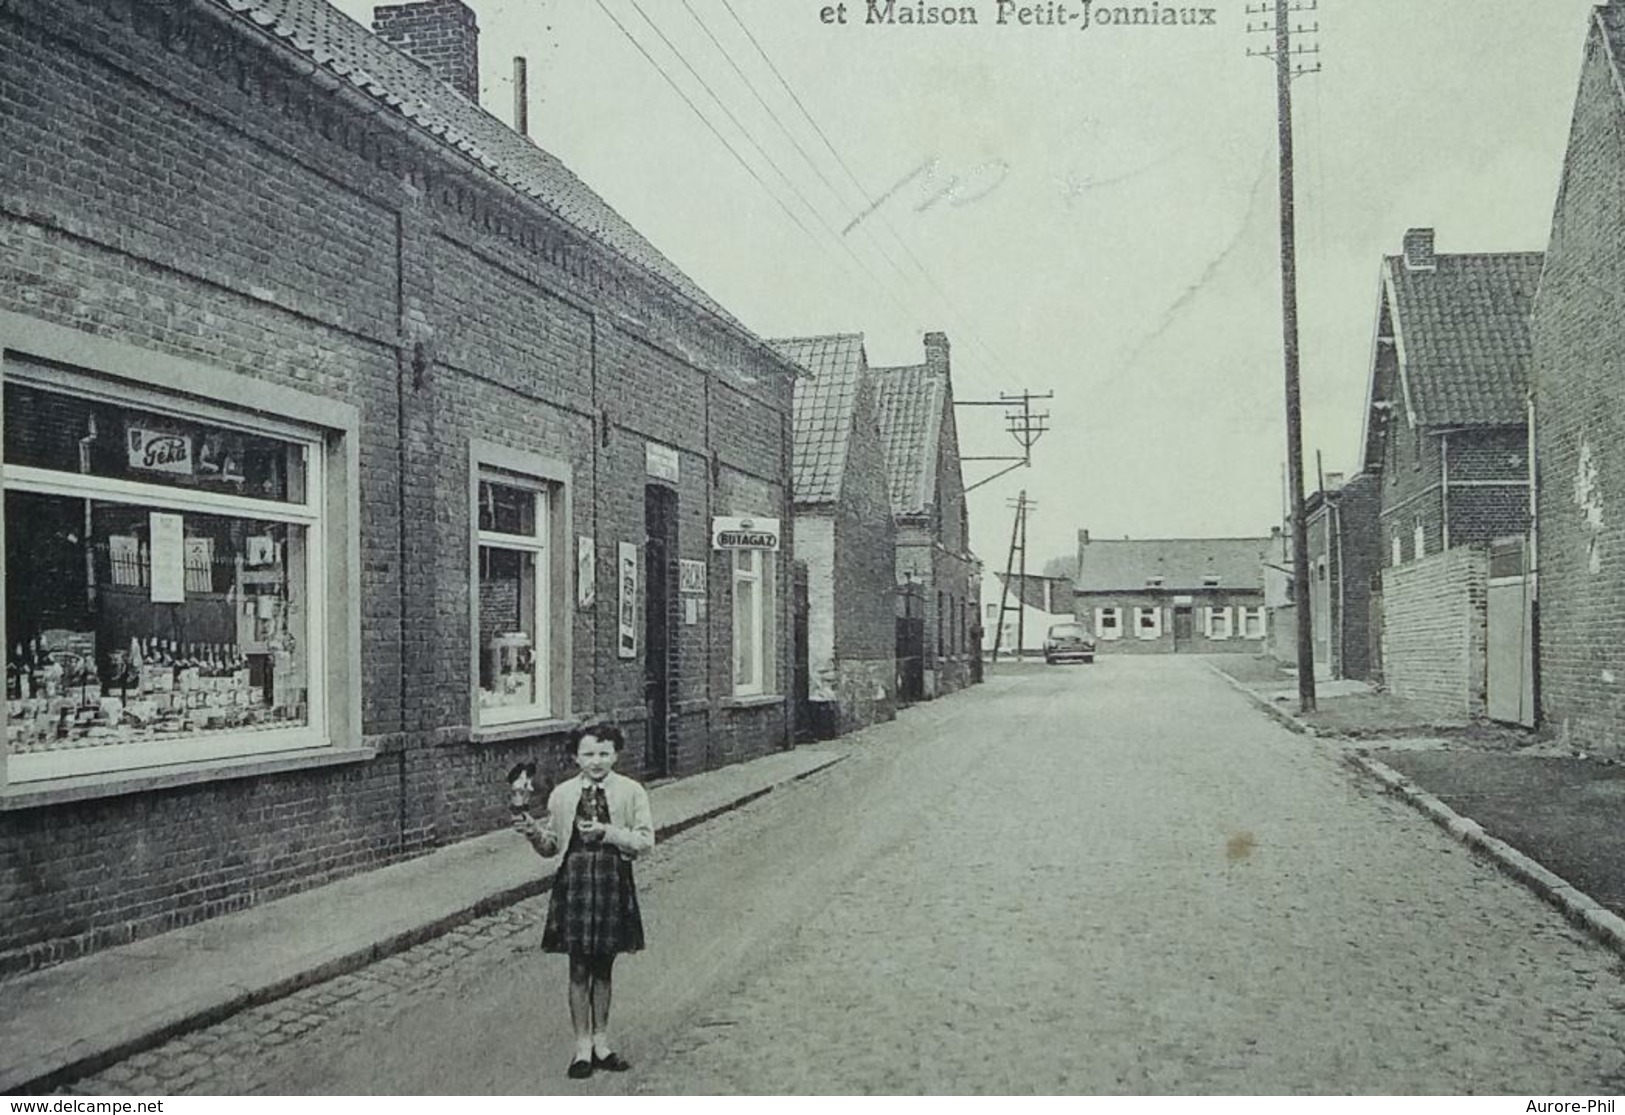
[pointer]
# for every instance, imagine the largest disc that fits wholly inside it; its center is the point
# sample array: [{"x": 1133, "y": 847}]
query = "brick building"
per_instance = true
[
  {"x": 1344, "y": 556},
  {"x": 1172, "y": 595},
  {"x": 938, "y": 578},
  {"x": 1446, "y": 441},
  {"x": 354, "y": 449},
  {"x": 1579, "y": 349},
  {"x": 1446, "y": 411},
  {"x": 845, "y": 535}
]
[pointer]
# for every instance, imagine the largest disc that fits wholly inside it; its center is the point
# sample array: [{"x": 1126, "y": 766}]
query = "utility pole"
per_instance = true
[
  {"x": 1018, "y": 546},
  {"x": 1287, "y": 67},
  {"x": 1022, "y": 424}
]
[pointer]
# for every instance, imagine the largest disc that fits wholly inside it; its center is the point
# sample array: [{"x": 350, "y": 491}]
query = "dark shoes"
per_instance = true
[{"x": 614, "y": 1062}]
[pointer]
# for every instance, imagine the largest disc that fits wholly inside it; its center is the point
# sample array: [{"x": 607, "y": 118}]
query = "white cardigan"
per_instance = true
[{"x": 631, "y": 823}]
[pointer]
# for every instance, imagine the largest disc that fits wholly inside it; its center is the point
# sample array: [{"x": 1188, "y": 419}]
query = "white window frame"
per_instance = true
[
  {"x": 53, "y": 358},
  {"x": 1218, "y": 622},
  {"x": 549, "y": 480},
  {"x": 1251, "y": 617},
  {"x": 754, "y": 567},
  {"x": 1154, "y": 629},
  {"x": 1115, "y": 630}
]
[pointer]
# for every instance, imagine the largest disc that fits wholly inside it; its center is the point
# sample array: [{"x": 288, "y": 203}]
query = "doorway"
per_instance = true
[
  {"x": 1182, "y": 625},
  {"x": 659, "y": 623}
]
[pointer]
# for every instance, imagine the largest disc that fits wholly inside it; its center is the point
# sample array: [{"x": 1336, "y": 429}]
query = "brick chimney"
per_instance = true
[
  {"x": 1419, "y": 250},
  {"x": 936, "y": 353},
  {"x": 441, "y": 34}
]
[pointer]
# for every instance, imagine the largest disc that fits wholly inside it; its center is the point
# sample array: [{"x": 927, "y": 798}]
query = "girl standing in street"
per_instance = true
[{"x": 602, "y": 821}]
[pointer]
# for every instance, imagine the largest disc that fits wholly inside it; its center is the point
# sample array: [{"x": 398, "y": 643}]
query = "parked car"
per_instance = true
[{"x": 1068, "y": 642}]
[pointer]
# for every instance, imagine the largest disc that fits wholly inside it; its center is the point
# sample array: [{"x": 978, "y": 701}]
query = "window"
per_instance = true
[
  {"x": 1395, "y": 556},
  {"x": 520, "y": 581},
  {"x": 1218, "y": 623},
  {"x": 753, "y": 621},
  {"x": 992, "y": 614},
  {"x": 1210, "y": 580},
  {"x": 1153, "y": 582},
  {"x": 169, "y": 564},
  {"x": 1419, "y": 540},
  {"x": 1109, "y": 623},
  {"x": 1148, "y": 622},
  {"x": 1252, "y": 623}
]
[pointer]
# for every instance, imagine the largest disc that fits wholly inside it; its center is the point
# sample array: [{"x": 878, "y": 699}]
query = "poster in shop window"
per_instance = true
[
  {"x": 168, "y": 557},
  {"x": 627, "y": 642}
]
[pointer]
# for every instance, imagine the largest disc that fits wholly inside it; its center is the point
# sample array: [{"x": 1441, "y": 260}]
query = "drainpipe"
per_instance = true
[
  {"x": 1444, "y": 487},
  {"x": 1336, "y": 512}
]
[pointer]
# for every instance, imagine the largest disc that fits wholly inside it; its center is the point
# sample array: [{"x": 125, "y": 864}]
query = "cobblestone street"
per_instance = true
[{"x": 1101, "y": 879}]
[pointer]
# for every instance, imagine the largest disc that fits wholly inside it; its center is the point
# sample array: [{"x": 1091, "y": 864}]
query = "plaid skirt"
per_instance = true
[{"x": 594, "y": 908}]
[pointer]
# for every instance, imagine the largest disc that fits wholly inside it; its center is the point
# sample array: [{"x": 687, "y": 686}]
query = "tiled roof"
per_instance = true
[
  {"x": 1030, "y": 591},
  {"x": 824, "y": 402},
  {"x": 908, "y": 407},
  {"x": 1112, "y": 565},
  {"x": 1464, "y": 332},
  {"x": 331, "y": 39}
]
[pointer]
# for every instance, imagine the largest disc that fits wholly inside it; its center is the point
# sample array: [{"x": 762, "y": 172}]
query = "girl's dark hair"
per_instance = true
[{"x": 608, "y": 732}]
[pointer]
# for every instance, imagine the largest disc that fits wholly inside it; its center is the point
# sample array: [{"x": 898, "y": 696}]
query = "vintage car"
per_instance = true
[{"x": 1068, "y": 642}]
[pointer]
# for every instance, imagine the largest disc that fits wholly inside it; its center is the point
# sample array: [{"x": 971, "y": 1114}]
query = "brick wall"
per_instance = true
[
  {"x": 1433, "y": 642},
  {"x": 1360, "y": 560},
  {"x": 209, "y": 204},
  {"x": 1579, "y": 349}
]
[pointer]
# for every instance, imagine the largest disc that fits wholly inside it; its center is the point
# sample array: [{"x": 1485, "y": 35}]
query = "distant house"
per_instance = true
[
  {"x": 845, "y": 535},
  {"x": 1030, "y": 605},
  {"x": 937, "y": 575},
  {"x": 1344, "y": 555},
  {"x": 1446, "y": 441},
  {"x": 1579, "y": 397},
  {"x": 1173, "y": 595}
]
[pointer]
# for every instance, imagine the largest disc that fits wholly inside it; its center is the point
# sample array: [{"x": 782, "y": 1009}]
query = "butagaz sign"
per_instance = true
[
  {"x": 749, "y": 533},
  {"x": 160, "y": 451}
]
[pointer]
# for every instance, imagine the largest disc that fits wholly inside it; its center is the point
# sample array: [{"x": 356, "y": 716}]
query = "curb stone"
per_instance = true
[
  {"x": 1583, "y": 911},
  {"x": 47, "y": 1074}
]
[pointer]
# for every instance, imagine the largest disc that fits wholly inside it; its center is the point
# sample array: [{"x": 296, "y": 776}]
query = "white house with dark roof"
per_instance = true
[
  {"x": 844, "y": 534},
  {"x": 938, "y": 577},
  {"x": 1030, "y": 605},
  {"x": 1172, "y": 595}
]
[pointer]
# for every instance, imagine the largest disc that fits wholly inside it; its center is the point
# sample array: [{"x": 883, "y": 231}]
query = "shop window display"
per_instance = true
[
  {"x": 159, "y": 575},
  {"x": 513, "y": 612}
]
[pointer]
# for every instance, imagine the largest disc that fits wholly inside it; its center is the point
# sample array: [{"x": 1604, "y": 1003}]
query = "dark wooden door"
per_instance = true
[{"x": 659, "y": 623}]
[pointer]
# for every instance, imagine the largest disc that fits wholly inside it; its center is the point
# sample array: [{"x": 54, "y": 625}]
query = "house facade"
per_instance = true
[
  {"x": 1446, "y": 441},
  {"x": 1446, "y": 422},
  {"x": 938, "y": 577},
  {"x": 1579, "y": 349},
  {"x": 1344, "y": 557},
  {"x": 845, "y": 535},
  {"x": 1173, "y": 595},
  {"x": 354, "y": 449}
]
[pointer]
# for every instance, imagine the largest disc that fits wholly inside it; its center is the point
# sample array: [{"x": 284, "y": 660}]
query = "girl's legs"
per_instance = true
[
  {"x": 581, "y": 1003},
  {"x": 602, "y": 972}
]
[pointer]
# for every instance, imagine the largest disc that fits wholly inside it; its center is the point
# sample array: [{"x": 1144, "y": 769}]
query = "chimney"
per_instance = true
[
  {"x": 1083, "y": 536},
  {"x": 1334, "y": 481},
  {"x": 936, "y": 353},
  {"x": 441, "y": 34},
  {"x": 1419, "y": 250}
]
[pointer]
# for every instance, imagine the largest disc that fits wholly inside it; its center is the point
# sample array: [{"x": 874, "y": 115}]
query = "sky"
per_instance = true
[{"x": 1089, "y": 211}]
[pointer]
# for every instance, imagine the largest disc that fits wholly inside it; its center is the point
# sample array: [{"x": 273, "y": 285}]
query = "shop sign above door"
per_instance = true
[{"x": 744, "y": 533}]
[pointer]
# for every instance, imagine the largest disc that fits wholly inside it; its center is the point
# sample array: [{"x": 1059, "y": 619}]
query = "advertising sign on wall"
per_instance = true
[
  {"x": 627, "y": 644},
  {"x": 744, "y": 533}
]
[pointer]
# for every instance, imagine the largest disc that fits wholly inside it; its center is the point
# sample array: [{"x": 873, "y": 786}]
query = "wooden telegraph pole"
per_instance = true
[{"x": 1286, "y": 68}]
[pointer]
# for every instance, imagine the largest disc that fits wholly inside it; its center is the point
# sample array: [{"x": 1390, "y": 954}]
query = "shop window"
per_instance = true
[
  {"x": 168, "y": 567},
  {"x": 1109, "y": 623},
  {"x": 1218, "y": 623},
  {"x": 753, "y": 621}
]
